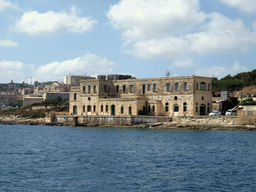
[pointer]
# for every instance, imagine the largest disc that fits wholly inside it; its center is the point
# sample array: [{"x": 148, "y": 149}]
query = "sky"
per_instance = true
[{"x": 44, "y": 40}]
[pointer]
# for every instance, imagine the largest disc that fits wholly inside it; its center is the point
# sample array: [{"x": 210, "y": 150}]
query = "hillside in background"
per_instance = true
[{"x": 236, "y": 83}]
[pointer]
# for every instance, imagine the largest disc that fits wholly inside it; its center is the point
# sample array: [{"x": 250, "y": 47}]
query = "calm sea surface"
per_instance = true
[{"x": 41, "y": 158}]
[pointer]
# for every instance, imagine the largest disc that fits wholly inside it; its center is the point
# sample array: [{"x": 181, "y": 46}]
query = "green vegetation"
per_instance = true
[
  {"x": 248, "y": 101},
  {"x": 58, "y": 105},
  {"x": 236, "y": 82},
  {"x": 54, "y": 101},
  {"x": 17, "y": 103},
  {"x": 25, "y": 112}
]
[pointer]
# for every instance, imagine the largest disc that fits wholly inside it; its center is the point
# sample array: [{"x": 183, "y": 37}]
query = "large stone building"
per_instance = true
[{"x": 124, "y": 95}]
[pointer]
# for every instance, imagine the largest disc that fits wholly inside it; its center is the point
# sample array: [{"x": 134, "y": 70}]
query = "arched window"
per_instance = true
[
  {"x": 149, "y": 109},
  {"x": 202, "y": 86},
  {"x": 153, "y": 108},
  {"x": 89, "y": 108},
  {"x": 130, "y": 110},
  {"x": 122, "y": 110},
  {"x": 83, "y": 108},
  {"x": 94, "y": 108},
  {"x": 185, "y": 107},
  {"x": 166, "y": 107}
]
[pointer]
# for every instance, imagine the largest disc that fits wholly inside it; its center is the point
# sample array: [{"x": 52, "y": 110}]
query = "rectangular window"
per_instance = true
[
  {"x": 124, "y": 88},
  {"x": 202, "y": 86},
  {"x": 89, "y": 89},
  {"x": 83, "y": 88},
  {"x": 89, "y": 109},
  {"x": 101, "y": 108},
  {"x": 117, "y": 88},
  {"x": 94, "y": 108},
  {"x": 154, "y": 87},
  {"x": 106, "y": 108},
  {"x": 176, "y": 86},
  {"x": 131, "y": 88},
  {"x": 153, "y": 108},
  {"x": 94, "y": 88},
  {"x": 122, "y": 110},
  {"x": 168, "y": 86},
  {"x": 105, "y": 88},
  {"x": 83, "y": 108},
  {"x": 143, "y": 89},
  {"x": 185, "y": 86},
  {"x": 149, "y": 87},
  {"x": 74, "y": 96}
]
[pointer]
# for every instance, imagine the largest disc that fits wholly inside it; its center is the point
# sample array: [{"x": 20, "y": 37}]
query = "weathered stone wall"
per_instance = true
[
  {"x": 110, "y": 120},
  {"x": 42, "y": 107},
  {"x": 63, "y": 95},
  {"x": 222, "y": 120},
  {"x": 30, "y": 100},
  {"x": 246, "y": 120}
]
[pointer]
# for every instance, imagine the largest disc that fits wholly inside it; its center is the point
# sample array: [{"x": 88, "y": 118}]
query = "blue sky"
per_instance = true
[{"x": 47, "y": 39}]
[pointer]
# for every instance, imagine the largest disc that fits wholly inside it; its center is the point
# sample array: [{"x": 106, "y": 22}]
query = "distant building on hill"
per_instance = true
[{"x": 74, "y": 80}]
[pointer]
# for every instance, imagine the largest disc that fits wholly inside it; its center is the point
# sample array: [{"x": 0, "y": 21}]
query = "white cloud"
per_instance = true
[
  {"x": 248, "y": 6},
  {"x": 154, "y": 30},
  {"x": 183, "y": 64},
  {"x": 88, "y": 63},
  {"x": 15, "y": 70},
  {"x": 8, "y": 43},
  {"x": 220, "y": 71},
  {"x": 34, "y": 23},
  {"x": 146, "y": 19},
  {"x": 222, "y": 34},
  {"x": 7, "y": 5}
]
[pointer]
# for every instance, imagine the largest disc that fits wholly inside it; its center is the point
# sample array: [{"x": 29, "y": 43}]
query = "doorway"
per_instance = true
[{"x": 202, "y": 109}]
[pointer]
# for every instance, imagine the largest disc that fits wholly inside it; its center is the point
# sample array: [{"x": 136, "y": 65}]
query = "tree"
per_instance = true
[{"x": 167, "y": 74}]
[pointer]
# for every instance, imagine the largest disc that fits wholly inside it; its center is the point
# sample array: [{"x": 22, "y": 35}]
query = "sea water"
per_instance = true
[{"x": 43, "y": 158}]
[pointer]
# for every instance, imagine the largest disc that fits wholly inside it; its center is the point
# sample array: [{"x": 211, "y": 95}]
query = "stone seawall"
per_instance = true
[
  {"x": 110, "y": 120},
  {"x": 205, "y": 120},
  {"x": 213, "y": 120},
  {"x": 189, "y": 123}
]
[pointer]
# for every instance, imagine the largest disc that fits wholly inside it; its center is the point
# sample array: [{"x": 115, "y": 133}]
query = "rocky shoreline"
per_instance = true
[{"x": 17, "y": 120}]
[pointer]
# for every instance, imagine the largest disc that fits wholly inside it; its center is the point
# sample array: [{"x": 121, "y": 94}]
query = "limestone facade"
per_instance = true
[{"x": 167, "y": 96}]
